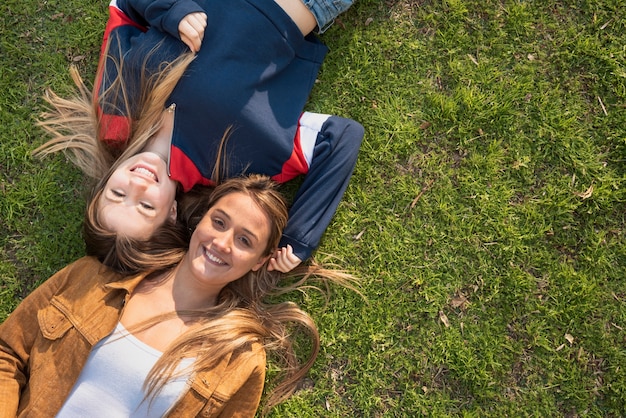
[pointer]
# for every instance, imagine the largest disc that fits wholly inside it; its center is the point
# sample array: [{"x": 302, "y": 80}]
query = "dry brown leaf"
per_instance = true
[
  {"x": 443, "y": 318},
  {"x": 586, "y": 194},
  {"x": 459, "y": 301},
  {"x": 569, "y": 338}
]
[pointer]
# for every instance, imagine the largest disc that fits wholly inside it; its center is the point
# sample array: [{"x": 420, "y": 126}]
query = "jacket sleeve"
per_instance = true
[
  {"x": 164, "y": 15},
  {"x": 334, "y": 157},
  {"x": 17, "y": 336},
  {"x": 245, "y": 401}
]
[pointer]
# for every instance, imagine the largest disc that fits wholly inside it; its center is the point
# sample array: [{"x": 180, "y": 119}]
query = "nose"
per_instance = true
[
  {"x": 223, "y": 242},
  {"x": 139, "y": 181}
]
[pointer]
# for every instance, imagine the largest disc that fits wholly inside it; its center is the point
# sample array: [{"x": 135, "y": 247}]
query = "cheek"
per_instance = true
[
  {"x": 165, "y": 198},
  {"x": 202, "y": 231}
]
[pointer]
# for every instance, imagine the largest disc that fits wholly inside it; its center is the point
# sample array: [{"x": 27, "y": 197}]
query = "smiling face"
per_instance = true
[
  {"x": 138, "y": 197},
  {"x": 230, "y": 240}
]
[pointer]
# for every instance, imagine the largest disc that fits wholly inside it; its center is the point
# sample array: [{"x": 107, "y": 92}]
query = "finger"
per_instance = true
[
  {"x": 276, "y": 265},
  {"x": 198, "y": 21},
  {"x": 293, "y": 259},
  {"x": 271, "y": 266},
  {"x": 285, "y": 260},
  {"x": 191, "y": 30},
  {"x": 189, "y": 36},
  {"x": 196, "y": 25}
]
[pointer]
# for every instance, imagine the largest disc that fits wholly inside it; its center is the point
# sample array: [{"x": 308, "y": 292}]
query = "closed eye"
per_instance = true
[{"x": 146, "y": 206}]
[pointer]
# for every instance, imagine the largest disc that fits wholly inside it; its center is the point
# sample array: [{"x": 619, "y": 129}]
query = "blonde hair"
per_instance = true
[{"x": 75, "y": 126}]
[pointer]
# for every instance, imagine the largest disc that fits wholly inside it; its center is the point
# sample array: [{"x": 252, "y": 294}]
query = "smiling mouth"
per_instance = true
[
  {"x": 213, "y": 258},
  {"x": 145, "y": 172}
]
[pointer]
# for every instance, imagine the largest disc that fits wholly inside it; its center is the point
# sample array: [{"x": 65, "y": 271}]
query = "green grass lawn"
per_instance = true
[{"x": 485, "y": 217}]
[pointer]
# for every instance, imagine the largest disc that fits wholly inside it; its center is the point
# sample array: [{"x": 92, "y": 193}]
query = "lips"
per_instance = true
[
  {"x": 213, "y": 258},
  {"x": 145, "y": 172}
]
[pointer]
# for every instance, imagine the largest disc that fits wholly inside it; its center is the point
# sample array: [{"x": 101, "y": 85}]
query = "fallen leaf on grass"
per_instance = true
[
  {"x": 443, "y": 318},
  {"x": 586, "y": 194},
  {"x": 569, "y": 338},
  {"x": 459, "y": 301}
]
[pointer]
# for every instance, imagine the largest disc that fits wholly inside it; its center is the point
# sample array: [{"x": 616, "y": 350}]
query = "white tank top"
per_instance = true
[{"x": 111, "y": 383}]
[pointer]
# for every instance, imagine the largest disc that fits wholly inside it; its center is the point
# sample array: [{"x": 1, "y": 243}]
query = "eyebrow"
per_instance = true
[{"x": 247, "y": 231}]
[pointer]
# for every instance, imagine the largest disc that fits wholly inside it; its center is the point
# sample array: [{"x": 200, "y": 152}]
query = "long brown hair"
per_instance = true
[{"x": 245, "y": 313}]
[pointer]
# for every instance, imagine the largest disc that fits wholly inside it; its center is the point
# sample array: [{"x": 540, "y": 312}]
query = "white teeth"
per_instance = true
[
  {"x": 145, "y": 172},
  {"x": 213, "y": 258}
]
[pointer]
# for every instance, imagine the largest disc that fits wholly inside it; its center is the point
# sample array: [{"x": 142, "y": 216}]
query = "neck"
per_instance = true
[
  {"x": 161, "y": 141},
  {"x": 188, "y": 294}
]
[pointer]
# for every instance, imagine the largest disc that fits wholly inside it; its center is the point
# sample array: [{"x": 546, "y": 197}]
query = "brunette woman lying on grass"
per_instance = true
[{"x": 188, "y": 336}]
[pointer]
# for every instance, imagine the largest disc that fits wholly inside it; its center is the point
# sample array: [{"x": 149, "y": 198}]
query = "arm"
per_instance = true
[
  {"x": 164, "y": 15},
  {"x": 17, "y": 336},
  {"x": 334, "y": 157}
]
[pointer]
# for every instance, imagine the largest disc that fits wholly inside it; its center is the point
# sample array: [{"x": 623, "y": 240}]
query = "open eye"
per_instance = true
[
  {"x": 218, "y": 223},
  {"x": 245, "y": 241}
]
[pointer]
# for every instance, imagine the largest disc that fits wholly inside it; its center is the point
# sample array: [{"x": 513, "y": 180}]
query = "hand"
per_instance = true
[
  {"x": 191, "y": 30},
  {"x": 284, "y": 260}
]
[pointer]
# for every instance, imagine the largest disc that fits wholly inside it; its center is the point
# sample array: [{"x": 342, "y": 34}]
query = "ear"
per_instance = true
[
  {"x": 174, "y": 211},
  {"x": 261, "y": 262}
]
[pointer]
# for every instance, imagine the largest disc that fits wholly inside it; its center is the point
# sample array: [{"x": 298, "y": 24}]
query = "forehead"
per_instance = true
[{"x": 243, "y": 210}]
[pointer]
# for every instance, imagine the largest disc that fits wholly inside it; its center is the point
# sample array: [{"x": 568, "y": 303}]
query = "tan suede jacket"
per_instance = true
[{"x": 45, "y": 342}]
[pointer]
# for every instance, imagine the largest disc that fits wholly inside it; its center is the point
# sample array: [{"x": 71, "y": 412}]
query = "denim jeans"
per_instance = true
[{"x": 325, "y": 11}]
